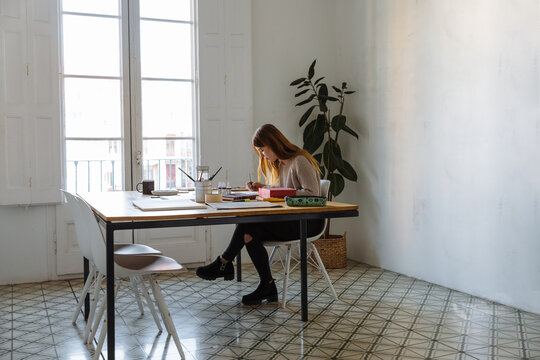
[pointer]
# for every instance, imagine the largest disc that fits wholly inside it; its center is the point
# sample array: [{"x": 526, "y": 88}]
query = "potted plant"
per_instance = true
[{"x": 322, "y": 133}]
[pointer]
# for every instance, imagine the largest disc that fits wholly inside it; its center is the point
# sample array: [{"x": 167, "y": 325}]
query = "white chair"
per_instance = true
[
  {"x": 94, "y": 277},
  {"x": 311, "y": 249},
  {"x": 134, "y": 266}
]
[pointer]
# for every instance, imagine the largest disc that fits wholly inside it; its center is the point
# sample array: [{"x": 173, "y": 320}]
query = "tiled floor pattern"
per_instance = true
[{"x": 381, "y": 315}]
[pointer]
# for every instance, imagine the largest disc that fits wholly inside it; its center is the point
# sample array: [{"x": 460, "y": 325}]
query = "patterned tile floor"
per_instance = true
[{"x": 381, "y": 315}]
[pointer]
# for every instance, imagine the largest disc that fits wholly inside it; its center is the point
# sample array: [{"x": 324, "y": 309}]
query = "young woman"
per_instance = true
[{"x": 283, "y": 164}]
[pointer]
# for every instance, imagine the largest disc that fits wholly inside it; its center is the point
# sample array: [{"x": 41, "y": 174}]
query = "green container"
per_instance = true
[{"x": 305, "y": 200}]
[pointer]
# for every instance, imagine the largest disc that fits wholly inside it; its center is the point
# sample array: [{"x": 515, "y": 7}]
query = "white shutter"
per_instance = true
[
  {"x": 226, "y": 124},
  {"x": 29, "y": 104},
  {"x": 225, "y": 87}
]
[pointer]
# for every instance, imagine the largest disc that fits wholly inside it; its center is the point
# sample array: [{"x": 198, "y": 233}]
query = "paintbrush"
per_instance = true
[
  {"x": 211, "y": 177},
  {"x": 185, "y": 173}
]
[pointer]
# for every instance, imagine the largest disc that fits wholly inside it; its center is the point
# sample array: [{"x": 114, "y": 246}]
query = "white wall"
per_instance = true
[
  {"x": 448, "y": 108},
  {"x": 287, "y": 36},
  {"x": 26, "y": 244}
]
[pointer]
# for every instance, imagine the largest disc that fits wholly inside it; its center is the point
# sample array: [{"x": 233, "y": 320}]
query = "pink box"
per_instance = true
[{"x": 266, "y": 192}]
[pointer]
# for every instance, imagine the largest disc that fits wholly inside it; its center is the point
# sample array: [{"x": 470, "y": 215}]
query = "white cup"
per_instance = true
[{"x": 201, "y": 189}]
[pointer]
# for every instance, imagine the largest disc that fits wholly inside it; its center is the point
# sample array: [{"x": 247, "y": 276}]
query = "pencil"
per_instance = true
[{"x": 185, "y": 173}]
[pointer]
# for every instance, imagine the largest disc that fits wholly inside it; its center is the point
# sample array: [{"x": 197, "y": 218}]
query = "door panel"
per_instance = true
[
  {"x": 163, "y": 126},
  {"x": 186, "y": 245}
]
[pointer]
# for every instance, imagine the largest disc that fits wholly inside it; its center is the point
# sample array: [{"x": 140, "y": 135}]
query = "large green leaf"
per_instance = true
[
  {"x": 347, "y": 171},
  {"x": 323, "y": 170},
  {"x": 311, "y": 71},
  {"x": 313, "y": 142},
  {"x": 337, "y": 122},
  {"x": 350, "y": 131},
  {"x": 321, "y": 124},
  {"x": 337, "y": 183},
  {"x": 306, "y": 115},
  {"x": 308, "y": 130},
  {"x": 319, "y": 79},
  {"x": 318, "y": 157},
  {"x": 297, "y": 81},
  {"x": 301, "y": 92},
  {"x": 332, "y": 155},
  {"x": 325, "y": 156},
  {"x": 303, "y": 102},
  {"x": 323, "y": 91},
  {"x": 314, "y": 134},
  {"x": 323, "y": 95}
]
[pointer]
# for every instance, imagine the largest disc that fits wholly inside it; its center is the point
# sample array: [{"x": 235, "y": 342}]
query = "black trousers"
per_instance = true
[{"x": 275, "y": 231}]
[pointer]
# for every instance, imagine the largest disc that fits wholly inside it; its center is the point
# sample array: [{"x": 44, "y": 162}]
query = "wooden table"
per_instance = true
[{"x": 116, "y": 211}]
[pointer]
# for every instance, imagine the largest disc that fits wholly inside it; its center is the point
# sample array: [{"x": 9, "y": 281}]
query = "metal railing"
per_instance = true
[{"x": 107, "y": 175}]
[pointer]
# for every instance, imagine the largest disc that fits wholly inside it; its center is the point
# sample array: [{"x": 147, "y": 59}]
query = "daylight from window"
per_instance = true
[{"x": 158, "y": 119}]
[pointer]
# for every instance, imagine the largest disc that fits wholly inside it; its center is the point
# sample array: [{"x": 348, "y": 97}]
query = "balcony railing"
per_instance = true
[{"x": 107, "y": 175}]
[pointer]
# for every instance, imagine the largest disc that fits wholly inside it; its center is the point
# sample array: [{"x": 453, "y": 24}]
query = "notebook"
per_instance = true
[
  {"x": 158, "y": 204},
  {"x": 238, "y": 195},
  {"x": 233, "y": 205}
]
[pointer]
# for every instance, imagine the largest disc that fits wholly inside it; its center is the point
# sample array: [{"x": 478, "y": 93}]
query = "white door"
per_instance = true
[{"x": 129, "y": 98}]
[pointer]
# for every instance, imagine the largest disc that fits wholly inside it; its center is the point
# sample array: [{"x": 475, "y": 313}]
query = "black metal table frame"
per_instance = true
[{"x": 111, "y": 227}]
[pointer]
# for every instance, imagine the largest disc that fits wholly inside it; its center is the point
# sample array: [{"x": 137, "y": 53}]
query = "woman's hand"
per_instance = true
[{"x": 254, "y": 186}]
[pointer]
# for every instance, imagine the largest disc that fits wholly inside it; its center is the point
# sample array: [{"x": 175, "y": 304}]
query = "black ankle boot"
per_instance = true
[
  {"x": 265, "y": 291},
  {"x": 216, "y": 270}
]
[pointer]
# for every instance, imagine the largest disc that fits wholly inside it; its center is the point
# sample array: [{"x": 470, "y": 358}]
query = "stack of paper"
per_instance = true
[
  {"x": 232, "y": 205},
  {"x": 157, "y": 204}
]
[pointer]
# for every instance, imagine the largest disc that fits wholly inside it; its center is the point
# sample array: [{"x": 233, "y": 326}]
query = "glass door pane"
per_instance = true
[
  {"x": 92, "y": 96},
  {"x": 165, "y": 50},
  {"x": 167, "y": 89},
  {"x": 91, "y": 45},
  {"x": 92, "y": 107}
]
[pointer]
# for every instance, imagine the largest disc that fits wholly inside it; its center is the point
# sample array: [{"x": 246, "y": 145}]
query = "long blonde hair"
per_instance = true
[{"x": 268, "y": 135}]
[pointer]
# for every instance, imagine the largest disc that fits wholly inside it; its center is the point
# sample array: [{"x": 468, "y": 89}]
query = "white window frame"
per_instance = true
[{"x": 131, "y": 92}]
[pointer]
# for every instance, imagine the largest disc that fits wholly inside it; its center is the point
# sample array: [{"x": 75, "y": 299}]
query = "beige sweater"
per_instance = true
[{"x": 299, "y": 174}]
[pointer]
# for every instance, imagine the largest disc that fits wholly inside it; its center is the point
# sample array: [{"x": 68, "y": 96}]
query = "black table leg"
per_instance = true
[
  {"x": 86, "y": 270},
  {"x": 303, "y": 269},
  {"x": 110, "y": 292},
  {"x": 239, "y": 266}
]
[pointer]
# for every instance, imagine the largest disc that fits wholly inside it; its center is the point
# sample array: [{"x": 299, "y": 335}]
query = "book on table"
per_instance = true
[
  {"x": 275, "y": 192},
  {"x": 240, "y": 195},
  {"x": 233, "y": 205}
]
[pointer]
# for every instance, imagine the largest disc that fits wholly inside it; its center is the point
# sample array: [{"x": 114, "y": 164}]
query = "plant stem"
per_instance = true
[{"x": 341, "y": 102}]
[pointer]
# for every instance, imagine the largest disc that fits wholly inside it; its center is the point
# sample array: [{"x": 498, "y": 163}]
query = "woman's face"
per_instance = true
[{"x": 267, "y": 153}]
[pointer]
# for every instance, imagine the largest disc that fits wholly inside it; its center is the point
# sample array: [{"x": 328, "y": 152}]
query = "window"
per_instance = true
[{"x": 129, "y": 92}]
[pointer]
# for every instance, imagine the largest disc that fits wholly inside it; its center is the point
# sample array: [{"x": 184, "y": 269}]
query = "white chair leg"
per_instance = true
[
  {"x": 166, "y": 315},
  {"x": 150, "y": 304},
  {"x": 101, "y": 339},
  {"x": 135, "y": 289},
  {"x": 93, "y": 305},
  {"x": 272, "y": 255},
  {"x": 149, "y": 278},
  {"x": 286, "y": 277},
  {"x": 102, "y": 311},
  {"x": 87, "y": 284},
  {"x": 323, "y": 270}
]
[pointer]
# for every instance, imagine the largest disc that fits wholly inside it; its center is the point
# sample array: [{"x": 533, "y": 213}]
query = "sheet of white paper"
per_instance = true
[{"x": 157, "y": 204}]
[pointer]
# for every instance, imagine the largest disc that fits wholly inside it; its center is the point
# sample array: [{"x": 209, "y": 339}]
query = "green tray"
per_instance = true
[{"x": 305, "y": 200}]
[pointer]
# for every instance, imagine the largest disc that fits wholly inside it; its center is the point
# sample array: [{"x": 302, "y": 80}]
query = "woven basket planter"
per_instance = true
[{"x": 333, "y": 251}]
